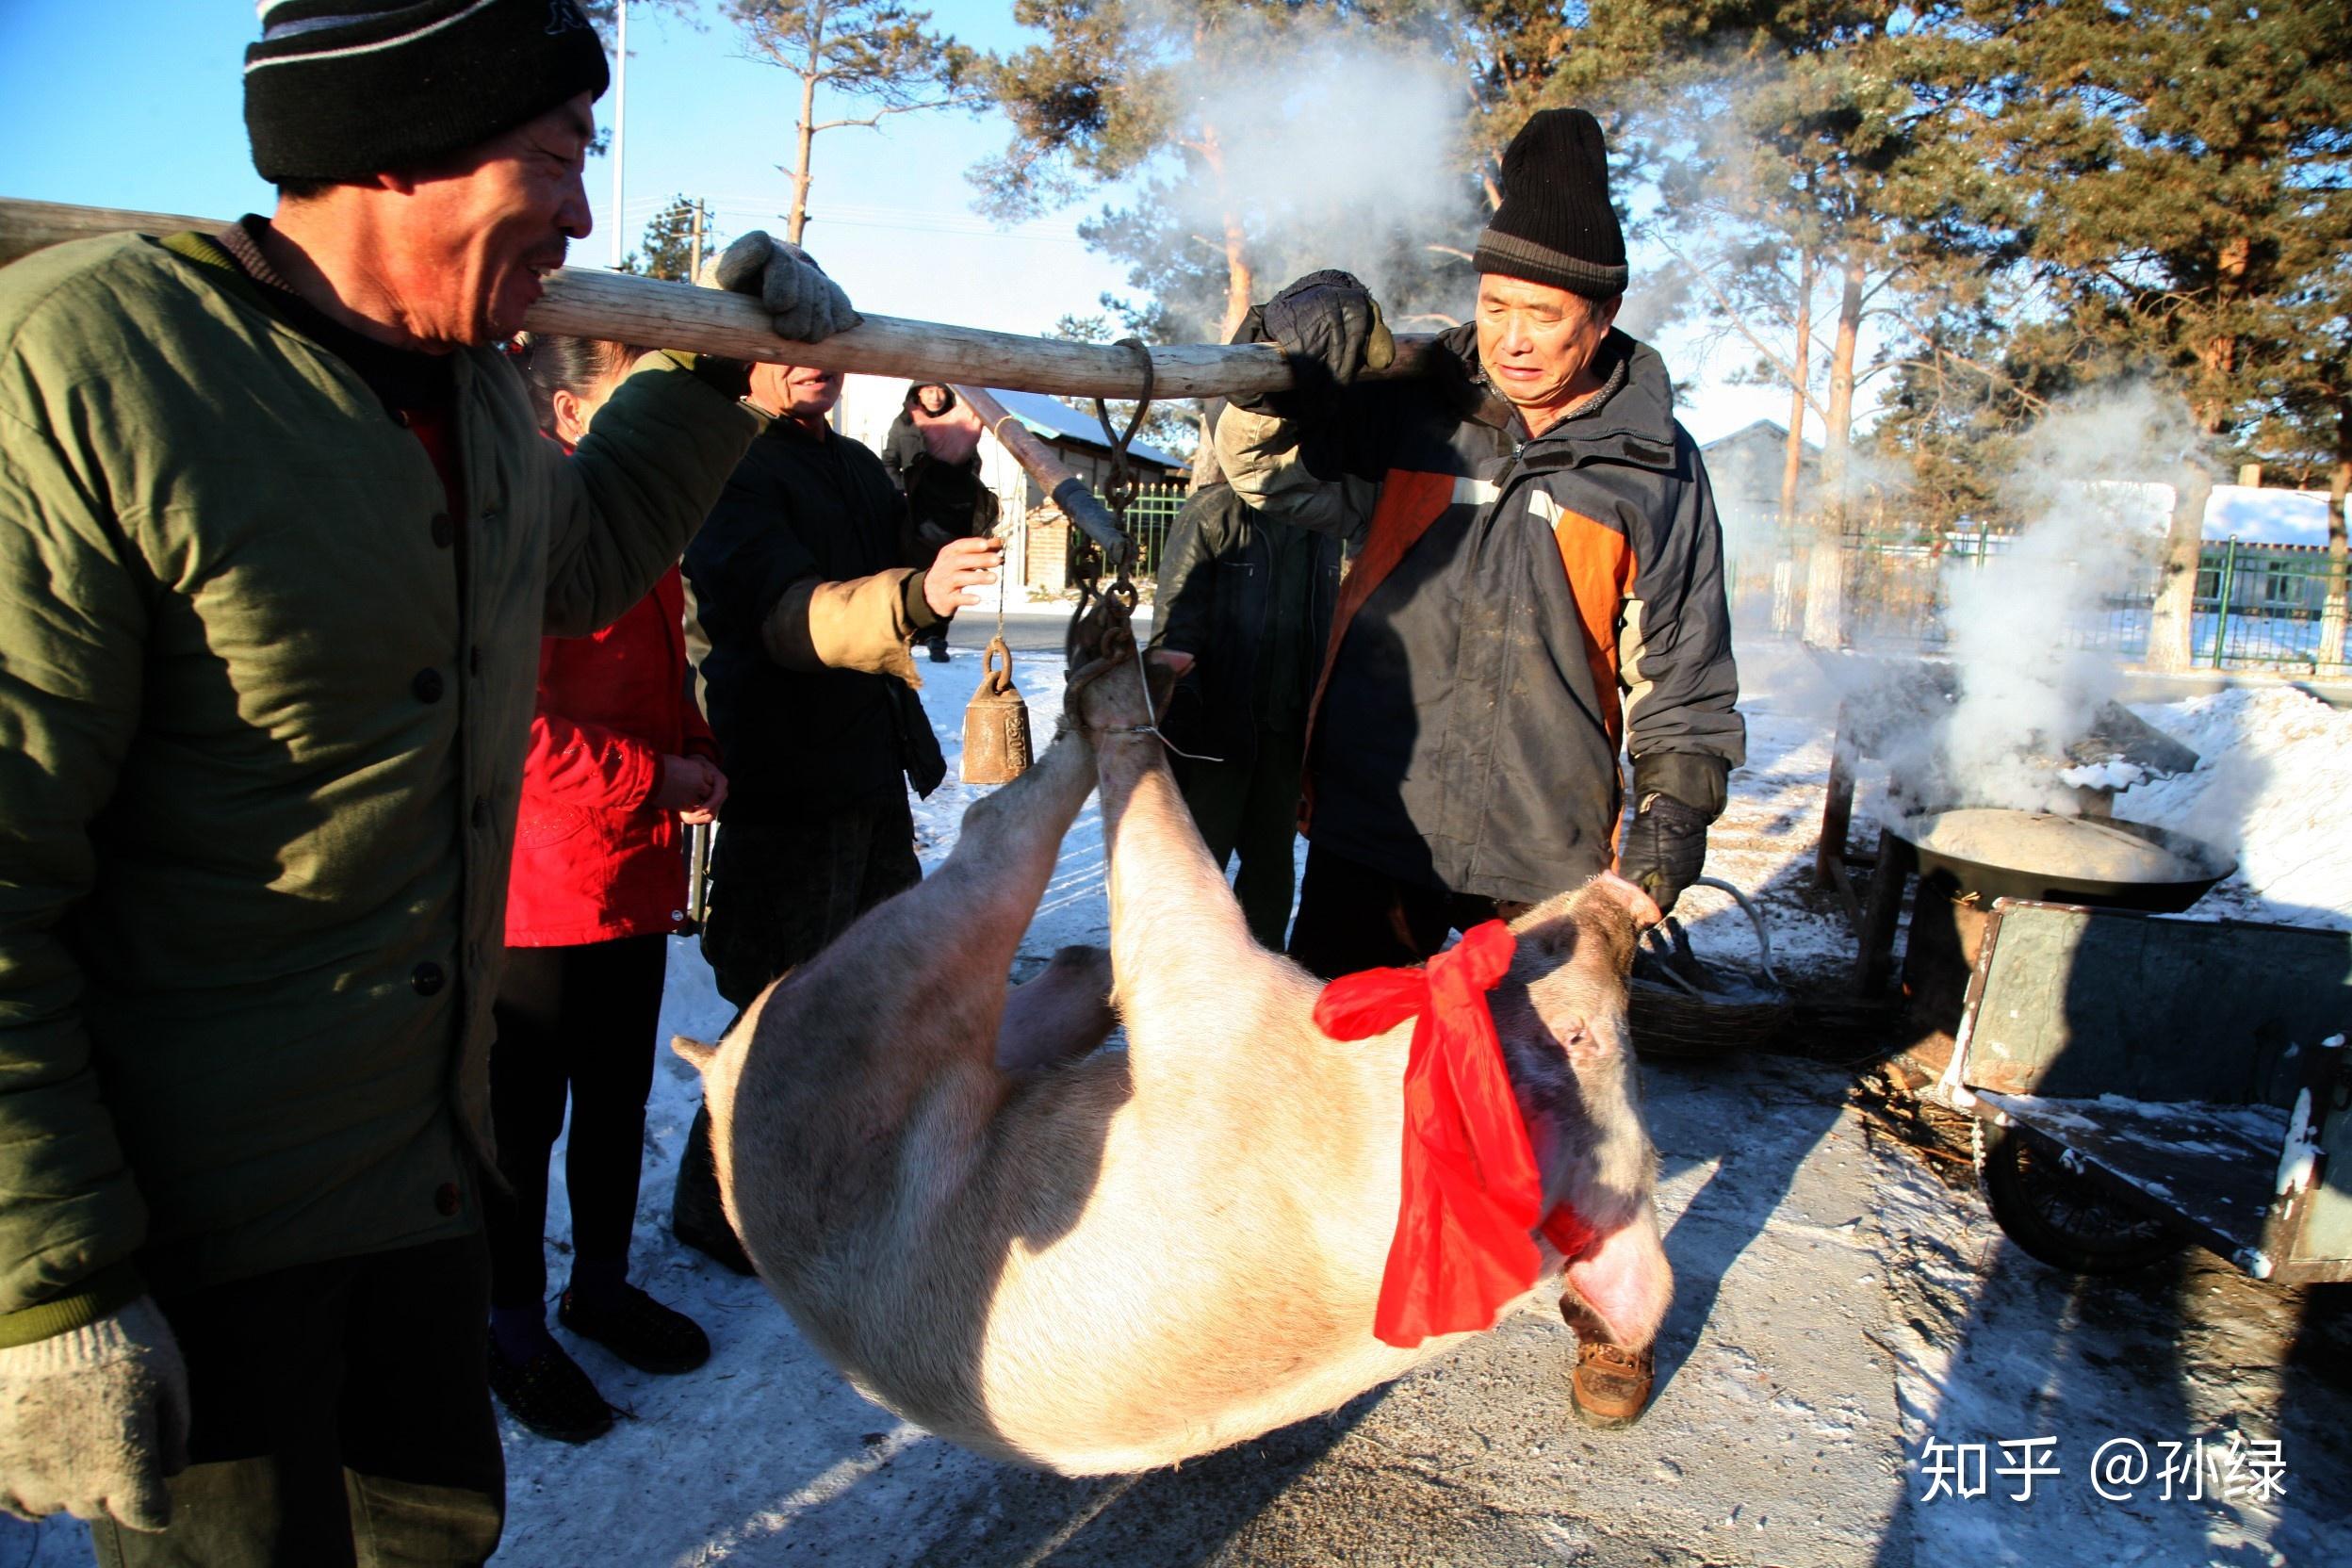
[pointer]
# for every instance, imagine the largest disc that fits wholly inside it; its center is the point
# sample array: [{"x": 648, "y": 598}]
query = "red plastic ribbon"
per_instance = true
[{"x": 1471, "y": 1192}]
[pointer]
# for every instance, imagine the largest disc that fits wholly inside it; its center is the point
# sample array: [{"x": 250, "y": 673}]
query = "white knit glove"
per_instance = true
[
  {"x": 805, "y": 305},
  {"x": 94, "y": 1419}
]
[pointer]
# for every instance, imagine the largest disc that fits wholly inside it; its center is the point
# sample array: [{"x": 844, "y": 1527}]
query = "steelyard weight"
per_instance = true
[{"x": 996, "y": 723}]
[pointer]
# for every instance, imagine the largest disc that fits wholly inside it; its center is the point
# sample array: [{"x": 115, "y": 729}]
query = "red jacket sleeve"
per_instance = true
[{"x": 587, "y": 765}]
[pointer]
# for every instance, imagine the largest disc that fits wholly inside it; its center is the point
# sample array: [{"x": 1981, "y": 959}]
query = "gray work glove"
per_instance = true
[
  {"x": 807, "y": 306},
  {"x": 1329, "y": 329},
  {"x": 94, "y": 1419}
]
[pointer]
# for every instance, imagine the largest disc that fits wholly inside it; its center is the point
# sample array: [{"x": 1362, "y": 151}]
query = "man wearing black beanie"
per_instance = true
[
  {"x": 1537, "y": 586},
  {"x": 294, "y": 537}
]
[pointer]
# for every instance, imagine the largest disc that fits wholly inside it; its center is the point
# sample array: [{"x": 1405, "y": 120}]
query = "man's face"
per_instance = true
[
  {"x": 474, "y": 238},
  {"x": 795, "y": 391},
  {"x": 1537, "y": 342}
]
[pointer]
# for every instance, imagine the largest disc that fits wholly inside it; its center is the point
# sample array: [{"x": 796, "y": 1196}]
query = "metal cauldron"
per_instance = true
[{"x": 1955, "y": 897}]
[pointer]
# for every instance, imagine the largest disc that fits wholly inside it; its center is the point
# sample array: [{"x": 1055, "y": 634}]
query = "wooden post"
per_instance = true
[
  {"x": 1060, "y": 480},
  {"x": 584, "y": 302}
]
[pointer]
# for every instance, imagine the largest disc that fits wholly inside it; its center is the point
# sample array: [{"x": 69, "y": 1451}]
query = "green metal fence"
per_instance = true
[
  {"x": 2255, "y": 605},
  {"x": 1149, "y": 517}
]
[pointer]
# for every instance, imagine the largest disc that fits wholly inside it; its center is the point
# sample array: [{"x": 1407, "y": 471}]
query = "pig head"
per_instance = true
[{"x": 1105, "y": 1260}]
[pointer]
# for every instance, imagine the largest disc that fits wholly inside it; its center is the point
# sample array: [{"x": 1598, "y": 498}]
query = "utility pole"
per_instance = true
[
  {"x": 693, "y": 266},
  {"x": 620, "y": 132}
]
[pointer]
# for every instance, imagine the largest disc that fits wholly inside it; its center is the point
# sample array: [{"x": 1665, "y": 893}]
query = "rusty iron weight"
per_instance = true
[{"x": 996, "y": 722}]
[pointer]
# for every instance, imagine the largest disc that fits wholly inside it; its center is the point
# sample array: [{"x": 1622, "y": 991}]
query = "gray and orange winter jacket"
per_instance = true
[{"x": 1516, "y": 612}]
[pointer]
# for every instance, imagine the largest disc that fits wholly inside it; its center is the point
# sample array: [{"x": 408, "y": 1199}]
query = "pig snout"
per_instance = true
[{"x": 1629, "y": 896}]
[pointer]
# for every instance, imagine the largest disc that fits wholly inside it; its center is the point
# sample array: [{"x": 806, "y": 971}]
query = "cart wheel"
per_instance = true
[{"x": 2068, "y": 1221}]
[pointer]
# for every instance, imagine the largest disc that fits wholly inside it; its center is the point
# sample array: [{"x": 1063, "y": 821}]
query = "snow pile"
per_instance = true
[
  {"x": 2268, "y": 789},
  {"x": 2113, "y": 774}
]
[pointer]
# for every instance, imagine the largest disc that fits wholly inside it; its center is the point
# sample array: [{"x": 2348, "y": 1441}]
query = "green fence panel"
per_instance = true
[{"x": 2255, "y": 605}]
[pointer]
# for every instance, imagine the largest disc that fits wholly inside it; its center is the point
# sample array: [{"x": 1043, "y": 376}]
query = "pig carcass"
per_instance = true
[{"x": 1104, "y": 1261}]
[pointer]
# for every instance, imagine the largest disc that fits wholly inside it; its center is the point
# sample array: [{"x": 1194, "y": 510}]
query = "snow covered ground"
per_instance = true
[{"x": 1844, "y": 1303}]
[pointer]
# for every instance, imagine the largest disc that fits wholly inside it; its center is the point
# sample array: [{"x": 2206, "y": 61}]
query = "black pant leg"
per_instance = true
[
  {"x": 1217, "y": 794},
  {"x": 264, "y": 1486},
  {"x": 1268, "y": 837},
  {"x": 424, "y": 1471},
  {"x": 1351, "y": 917},
  {"x": 612, "y": 1007},
  {"x": 528, "y": 1078},
  {"x": 892, "y": 865}
]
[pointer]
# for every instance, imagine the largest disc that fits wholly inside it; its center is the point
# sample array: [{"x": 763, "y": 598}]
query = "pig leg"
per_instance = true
[
  {"x": 1619, "y": 1287},
  {"x": 1179, "y": 941},
  {"x": 1178, "y": 938},
  {"x": 1064, "y": 1012},
  {"x": 901, "y": 1002}
]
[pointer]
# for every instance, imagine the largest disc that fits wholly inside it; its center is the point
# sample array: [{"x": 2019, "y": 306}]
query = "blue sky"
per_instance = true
[{"x": 138, "y": 104}]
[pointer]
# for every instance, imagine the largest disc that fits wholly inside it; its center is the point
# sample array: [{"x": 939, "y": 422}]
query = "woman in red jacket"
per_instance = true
[{"x": 619, "y": 760}]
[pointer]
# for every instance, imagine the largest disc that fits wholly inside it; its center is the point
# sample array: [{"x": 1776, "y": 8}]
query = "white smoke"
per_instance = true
[
  {"x": 2018, "y": 620},
  {"x": 1329, "y": 141}
]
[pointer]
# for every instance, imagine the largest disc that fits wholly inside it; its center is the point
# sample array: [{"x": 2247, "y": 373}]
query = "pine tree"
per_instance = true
[
  {"x": 2189, "y": 177},
  {"x": 670, "y": 244},
  {"x": 1116, "y": 91},
  {"x": 1808, "y": 173},
  {"x": 873, "y": 53}
]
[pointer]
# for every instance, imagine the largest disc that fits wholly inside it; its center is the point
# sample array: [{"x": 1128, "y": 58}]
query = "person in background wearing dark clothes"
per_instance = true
[
  {"x": 1250, "y": 599},
  {"x": 932, "y": 453},
  {"x": 804, "y": 595},
  {"x": 619, "y": 760}
]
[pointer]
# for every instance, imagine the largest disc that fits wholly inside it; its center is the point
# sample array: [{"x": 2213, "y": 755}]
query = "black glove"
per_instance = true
[
  {"x": 1329, "y": 327},
  {"x": 1664, "y": 849}
]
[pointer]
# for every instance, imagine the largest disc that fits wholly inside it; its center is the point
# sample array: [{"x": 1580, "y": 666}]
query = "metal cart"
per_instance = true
[{"x": 2140, "y": 1083}]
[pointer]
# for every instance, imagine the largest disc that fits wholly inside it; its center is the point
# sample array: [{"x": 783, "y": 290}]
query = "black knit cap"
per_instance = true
[
  {"x": 340, "y": 89},
  {"x": 1556, "y": 226}
]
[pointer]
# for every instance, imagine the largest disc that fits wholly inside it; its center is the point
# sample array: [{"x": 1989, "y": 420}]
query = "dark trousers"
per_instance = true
[
  {"x": 340, "y": 1415},
  {"x": 780, "y": 892},
  {"x": 779, "y": 895},
  {"x": 573, "y": 1022},
  {"x": 1352, "y": 917},
  {"x": 1251, "y": 809}
]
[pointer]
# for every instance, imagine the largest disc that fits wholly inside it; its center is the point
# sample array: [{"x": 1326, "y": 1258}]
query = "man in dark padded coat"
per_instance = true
[
  {"x": 1250, "y": 599},
  {"x": 1536, "y": 586},
  {"x": 804, "y": 591}
]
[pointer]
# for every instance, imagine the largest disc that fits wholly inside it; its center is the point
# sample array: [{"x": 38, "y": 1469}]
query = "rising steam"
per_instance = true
[{"x": 2017, "y": 621}]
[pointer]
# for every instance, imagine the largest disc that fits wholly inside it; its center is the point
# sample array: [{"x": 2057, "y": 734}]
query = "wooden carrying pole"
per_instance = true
[
  {"x": 1059, "y": 481},
  {"x": 580, "y": 303}
]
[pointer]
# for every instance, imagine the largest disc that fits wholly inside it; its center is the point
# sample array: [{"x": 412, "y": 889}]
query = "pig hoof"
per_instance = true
[{"x": 1610, "y": 1387}]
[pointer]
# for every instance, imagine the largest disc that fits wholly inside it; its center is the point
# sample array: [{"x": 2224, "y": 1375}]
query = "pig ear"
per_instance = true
[{"x": 697, "y": 1052}]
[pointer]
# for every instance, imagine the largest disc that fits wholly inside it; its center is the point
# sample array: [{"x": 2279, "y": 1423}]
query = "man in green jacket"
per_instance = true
[{"x": 280, "y": 539}]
